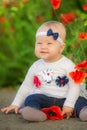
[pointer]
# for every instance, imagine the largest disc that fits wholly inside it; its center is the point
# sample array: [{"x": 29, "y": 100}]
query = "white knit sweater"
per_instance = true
[{"x": 51, "y": 79}]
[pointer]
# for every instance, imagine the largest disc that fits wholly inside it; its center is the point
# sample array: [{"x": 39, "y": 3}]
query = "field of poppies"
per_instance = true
[{"x": 19, "y": 20}]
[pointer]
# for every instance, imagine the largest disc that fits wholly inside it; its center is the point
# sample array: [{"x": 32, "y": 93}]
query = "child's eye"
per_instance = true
[
  {"x": 38, "y": 43},
  {"x": 49, "y": 43}
]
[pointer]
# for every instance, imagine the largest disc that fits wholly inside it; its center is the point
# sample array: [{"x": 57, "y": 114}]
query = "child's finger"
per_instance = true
[{"x": 16, "y": 110}]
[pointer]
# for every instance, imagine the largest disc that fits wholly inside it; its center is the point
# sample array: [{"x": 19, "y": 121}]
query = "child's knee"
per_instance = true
[{"x": 83, "y": 114}]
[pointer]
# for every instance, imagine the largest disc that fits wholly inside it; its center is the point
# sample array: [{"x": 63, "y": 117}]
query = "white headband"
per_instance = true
[{"x": 45, "y": 34}]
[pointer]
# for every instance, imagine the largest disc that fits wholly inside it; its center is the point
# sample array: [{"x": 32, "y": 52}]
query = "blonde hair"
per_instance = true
[{"x": 55, "y": 26}]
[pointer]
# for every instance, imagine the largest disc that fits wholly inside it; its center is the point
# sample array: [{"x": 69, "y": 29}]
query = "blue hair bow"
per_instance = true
[{"x": 51, "y": 33}]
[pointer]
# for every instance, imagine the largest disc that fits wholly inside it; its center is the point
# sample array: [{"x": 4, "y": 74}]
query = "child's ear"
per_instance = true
[{"x": 62, "y": 47}]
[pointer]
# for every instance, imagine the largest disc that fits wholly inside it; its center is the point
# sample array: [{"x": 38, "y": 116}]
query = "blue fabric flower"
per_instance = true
[{"x": 61, "y": 81}]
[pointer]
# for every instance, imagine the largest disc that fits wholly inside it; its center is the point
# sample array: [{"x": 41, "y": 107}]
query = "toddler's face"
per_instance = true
[{"x": 48, "y": 49}]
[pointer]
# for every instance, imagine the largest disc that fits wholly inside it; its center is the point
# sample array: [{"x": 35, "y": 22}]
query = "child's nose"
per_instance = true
[{"x": 44, "y": 45}]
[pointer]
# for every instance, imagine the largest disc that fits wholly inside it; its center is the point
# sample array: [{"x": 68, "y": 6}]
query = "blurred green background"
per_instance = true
[{"x": 19, "y": 20}]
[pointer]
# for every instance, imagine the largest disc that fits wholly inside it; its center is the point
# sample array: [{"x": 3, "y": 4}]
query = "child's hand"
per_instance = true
[
  {"x": 67, "y": 111},
  {"x": 10, "y": 108}
]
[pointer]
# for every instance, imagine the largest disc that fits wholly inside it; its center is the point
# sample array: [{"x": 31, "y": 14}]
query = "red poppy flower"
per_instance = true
[
  {"x": 36, "y": 81},
  {"x": 78, "y": 76},
  {"x": 67, "y": 18},
  {"x": 55, "y": 4},
  {"x": 6, "y": 3},
  {"x": 84, "y": 7},
  {"x": 82, "y": 65},
  {"x": 82, "y": 36},
  {"x": 39, "y": 19},
  {"x": 77, "y": 44},
  {"x": 25, "y": 1},
  {"x": 2, "y": 19},
  {"x": 53, "y": 113}
]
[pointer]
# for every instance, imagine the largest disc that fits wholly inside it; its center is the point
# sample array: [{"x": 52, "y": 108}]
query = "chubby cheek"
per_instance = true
[
  {"x": 37, "y": 52},
  {"x": 59, "y": 49}
]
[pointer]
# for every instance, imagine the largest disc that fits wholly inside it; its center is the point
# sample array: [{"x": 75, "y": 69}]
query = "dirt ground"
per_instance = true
[{"x": 15, "y": 122}]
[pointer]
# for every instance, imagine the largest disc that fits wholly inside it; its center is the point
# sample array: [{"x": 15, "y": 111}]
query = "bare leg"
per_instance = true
[
  {"x": 83, "y": 114},
  {"x": 33, "y": 114}
]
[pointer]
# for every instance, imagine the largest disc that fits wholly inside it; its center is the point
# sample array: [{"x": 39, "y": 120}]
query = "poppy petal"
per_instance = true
[
  {"x": 55, "y": 4},
  {"x": 78, "y": 76},
  {"x": 53, "y": 113}
]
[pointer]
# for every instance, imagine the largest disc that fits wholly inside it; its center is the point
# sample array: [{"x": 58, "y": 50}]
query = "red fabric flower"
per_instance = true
[
  {"x": 82, "y": 65},
  {"x": 55, "y": 4},
  {"x": 36, "y": 81},
  {"x": 78, "y": 76},
  {"x": 84, "y": 7},
  {"x": 53, "y": 113},
  {"x": 67, "y": 18},
  {"x": 82, "y": 36}
]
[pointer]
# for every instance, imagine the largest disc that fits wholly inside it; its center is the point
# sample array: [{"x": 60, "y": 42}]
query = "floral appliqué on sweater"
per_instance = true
[
  {"x": 61, "y": 81},
  {"x": 47, "y": 76},
  {"x": 37, "y": 82}
]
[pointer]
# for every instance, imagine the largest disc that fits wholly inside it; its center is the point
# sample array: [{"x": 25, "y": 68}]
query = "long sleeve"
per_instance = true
[
  {"x": 74, "y": 89},
  {"x": 73, "y": 94},
  {"x": 24, "y": 89}
]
